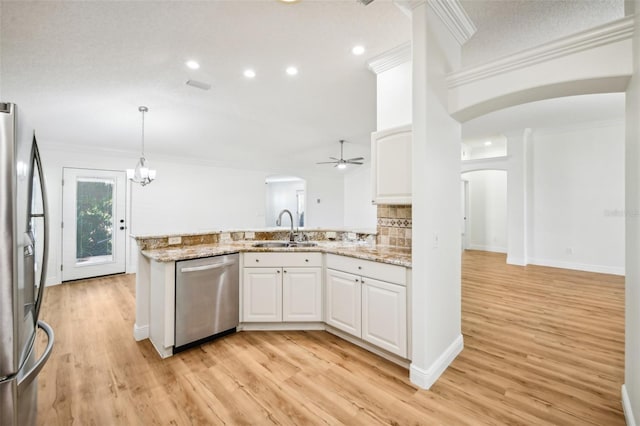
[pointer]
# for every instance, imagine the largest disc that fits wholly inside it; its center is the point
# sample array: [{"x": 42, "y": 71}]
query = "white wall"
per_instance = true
[
  {"x": 631, "y": 387},
  {"x": 487, "y": 210},
  {"x": 436, "y": 291},
  {"x": 184, "y": 198},
  {"x": 394, "y": 96},
  {"x": 359, "y": 212},
  {"x": 577, "y": 218}
]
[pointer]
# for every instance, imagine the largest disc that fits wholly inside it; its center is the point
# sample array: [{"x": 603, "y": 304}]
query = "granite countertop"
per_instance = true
[{"x": 383, "y": 254}]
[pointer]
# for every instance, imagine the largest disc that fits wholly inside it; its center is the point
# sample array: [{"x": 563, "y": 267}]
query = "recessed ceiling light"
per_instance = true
[
  {"x": 289, "y": 1},
  {"x": 357, "y": 50},
  {"x": 193, "y": 65},
  {"x": 292, "y": 70},
  {"x": 487, "y": 143},
  {"x": 249, "y": 73}
]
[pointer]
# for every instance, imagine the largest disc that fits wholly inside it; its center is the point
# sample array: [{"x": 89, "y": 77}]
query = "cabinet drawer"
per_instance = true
[
  {"x": 366, "y": 268},
  {"x": 264, "y": 260}
]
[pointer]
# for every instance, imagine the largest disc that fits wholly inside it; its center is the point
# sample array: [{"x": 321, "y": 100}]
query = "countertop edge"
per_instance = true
[{"x": 204, "y": 251}]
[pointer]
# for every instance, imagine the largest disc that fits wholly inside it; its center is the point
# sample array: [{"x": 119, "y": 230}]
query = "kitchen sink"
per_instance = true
[{"x": 274, "y": 244}]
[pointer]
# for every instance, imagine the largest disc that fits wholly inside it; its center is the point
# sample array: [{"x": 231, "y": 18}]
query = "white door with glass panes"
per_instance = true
[{"x": 94, "y": 231}]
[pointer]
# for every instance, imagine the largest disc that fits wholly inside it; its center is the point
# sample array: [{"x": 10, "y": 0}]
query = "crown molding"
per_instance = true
[
  {"x": 609, "y": 33},
  {"x": 407, "y": 6},
  {"x": 455, "y": 18},
  {"x": 450, "y": 12},
  {"x": 391, "y": 58}
]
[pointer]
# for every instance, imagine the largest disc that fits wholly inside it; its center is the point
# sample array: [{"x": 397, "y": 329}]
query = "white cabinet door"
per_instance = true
[
  {"x": 262, "y": 294},
  {"x": 391, "y": 165},
  {"x": 301, "y": 294},
  {"x": 384, "y": 315},
  {"x": 343, "y": 302}
]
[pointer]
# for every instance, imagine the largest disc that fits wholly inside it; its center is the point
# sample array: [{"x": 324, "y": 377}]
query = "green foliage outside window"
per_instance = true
[{"x": 94, "y": 219}]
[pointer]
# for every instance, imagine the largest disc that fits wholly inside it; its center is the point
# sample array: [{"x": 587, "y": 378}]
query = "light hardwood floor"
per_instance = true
[{"x": 542, "y": 346}]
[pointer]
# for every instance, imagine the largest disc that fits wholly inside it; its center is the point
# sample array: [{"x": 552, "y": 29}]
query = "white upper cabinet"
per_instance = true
[{"x": 391, "y": 165}]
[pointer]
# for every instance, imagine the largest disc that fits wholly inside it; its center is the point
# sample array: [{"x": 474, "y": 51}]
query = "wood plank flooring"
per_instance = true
[{"x": 542, "y": 346}]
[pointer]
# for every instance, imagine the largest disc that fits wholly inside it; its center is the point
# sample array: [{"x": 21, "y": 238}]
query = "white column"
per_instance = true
[
  {"x": 631, "y": 388},
  {"x": 518, "y": 147},
  {"x": 436, "y": 308}
]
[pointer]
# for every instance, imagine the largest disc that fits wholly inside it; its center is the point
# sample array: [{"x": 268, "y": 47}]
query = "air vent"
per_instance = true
[{"x": 199, "y": 84}]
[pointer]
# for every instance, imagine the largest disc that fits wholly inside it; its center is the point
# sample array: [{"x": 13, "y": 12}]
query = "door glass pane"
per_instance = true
[{"x": 94, "y": 220}]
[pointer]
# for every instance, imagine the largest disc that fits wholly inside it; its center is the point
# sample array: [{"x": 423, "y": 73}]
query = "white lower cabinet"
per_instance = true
[
  {"x": 301, "y": 294},
  {"x": 384, "y": 315},
  {"x": 282, "y": 293},
  {"x": 262, "y": 294},
  {"x": 371, "y": 309},
  {"x": 368, "y": 308},
  {"x": 344, "y": 302}
]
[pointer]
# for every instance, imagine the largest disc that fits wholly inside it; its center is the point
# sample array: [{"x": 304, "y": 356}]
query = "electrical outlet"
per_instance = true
[
  {"x": 435, "y": 240},
  {"x": 569, "y": 250},
  {"x": 174, "y": 240}
]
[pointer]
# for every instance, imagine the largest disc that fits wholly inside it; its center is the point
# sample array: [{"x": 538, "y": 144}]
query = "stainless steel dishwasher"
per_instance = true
[{"x": 207, "y": 299}]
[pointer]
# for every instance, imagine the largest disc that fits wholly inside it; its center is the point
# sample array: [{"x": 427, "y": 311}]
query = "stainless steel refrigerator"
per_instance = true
[{"x": 23, "y": 264}]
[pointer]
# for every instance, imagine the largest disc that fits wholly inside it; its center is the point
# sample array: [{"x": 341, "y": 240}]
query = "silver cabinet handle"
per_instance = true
[
  {"x": 207, "y": 267},
  {"x": 28, "y": 378}
]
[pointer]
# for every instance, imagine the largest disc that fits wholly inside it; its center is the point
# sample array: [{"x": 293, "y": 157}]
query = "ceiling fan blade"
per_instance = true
[
  {"x": 328, "y": 162},
  {"x": 354, "y": 162},
  {"x": 355, "y": 159},
  {"x": 334, "y": 158}
]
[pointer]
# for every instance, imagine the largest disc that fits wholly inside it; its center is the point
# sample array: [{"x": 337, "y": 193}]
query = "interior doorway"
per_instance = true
[
  {"x": 93, "y": 223},
  {"x": 485, "y": 210}
]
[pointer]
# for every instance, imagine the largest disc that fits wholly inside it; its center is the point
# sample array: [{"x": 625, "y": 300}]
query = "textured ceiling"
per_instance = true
[
  {"x": 81, "y": 69},
  {"x": 508, "y": 26}
]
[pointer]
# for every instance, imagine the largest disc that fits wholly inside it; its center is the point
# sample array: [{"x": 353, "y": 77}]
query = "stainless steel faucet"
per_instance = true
[{"x": 279, "y": 222}]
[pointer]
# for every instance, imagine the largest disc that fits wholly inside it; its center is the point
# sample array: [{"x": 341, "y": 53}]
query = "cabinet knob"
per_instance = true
[
  {"x": 278, "y": 270},
  {"x": 362, "y": 281},
  {"x": 257, "y": 260},
  {"x": 359, "y": 267},
  {"x": 285, "y": 271},
  {"x": 306, "y": 260},
  {"x": 356, "y": 280}
]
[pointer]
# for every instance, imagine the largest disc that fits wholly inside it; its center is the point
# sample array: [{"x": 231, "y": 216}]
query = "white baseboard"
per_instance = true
[
  {"x": 163, "y": 352},
  {"x": 280, "y": 326},
  {"x": 495, "y": 249},
  {"x": 626, "y": 405},
  {"x": 140, "y": 332},
  {"x": 51, "y": 281},
  {"x": 614, "y": 270},
  {"x": 426, "y": 378},
  {"x": 511, "y": 260}
]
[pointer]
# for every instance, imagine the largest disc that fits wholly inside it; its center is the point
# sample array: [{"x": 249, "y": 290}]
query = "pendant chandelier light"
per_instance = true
[{"x": 142, "y": 174}]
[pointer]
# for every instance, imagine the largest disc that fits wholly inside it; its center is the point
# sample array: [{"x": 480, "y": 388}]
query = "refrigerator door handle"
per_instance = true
[
  {"x": 28, "y": 377},
  {"x": 45, "y": 216}
]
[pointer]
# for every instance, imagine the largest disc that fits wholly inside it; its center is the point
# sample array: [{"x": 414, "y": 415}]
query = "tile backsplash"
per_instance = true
[{"x": 394, "y": 225}]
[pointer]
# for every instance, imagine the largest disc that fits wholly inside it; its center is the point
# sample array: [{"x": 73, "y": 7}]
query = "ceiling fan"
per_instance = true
[{"x": 341, "y": 163}]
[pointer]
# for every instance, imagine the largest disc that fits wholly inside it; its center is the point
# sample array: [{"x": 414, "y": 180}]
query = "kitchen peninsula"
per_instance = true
[{"x": 342, "y": 282}]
